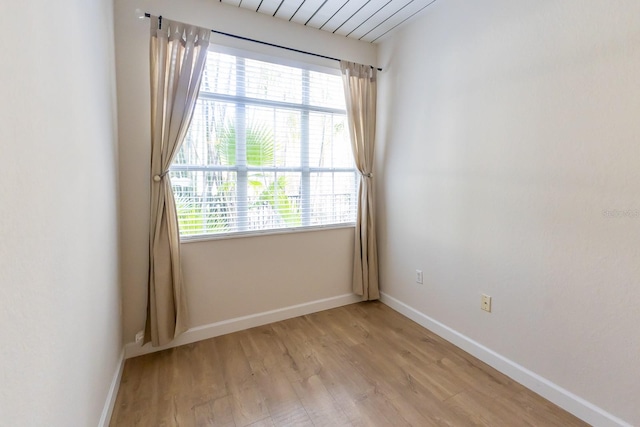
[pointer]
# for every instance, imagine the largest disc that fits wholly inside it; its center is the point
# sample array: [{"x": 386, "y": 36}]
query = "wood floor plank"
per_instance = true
[
  {"x": 267, "y": 422},
  {"x": 357, "y": 365},
  {"x": 539, "y": 411},
  {"x": 403, "y": 390},
  {"x": 202, "y": 366},
  {"x": 216, "y": 413},
  {"x": 263, "y": 344},
  {"x": 354, "y": 393},
  {"x": 319, "y": 404},
  {"x": 247, "y": 403},
  {"x": 170, "y": 385},
  {"x": 280, "y": 396},
  {"x": 484, "y": 410},
  {"x": 302, "y": 361},
  {"x": 248, "y": 406},
  {"x": 406, "y": 336}
]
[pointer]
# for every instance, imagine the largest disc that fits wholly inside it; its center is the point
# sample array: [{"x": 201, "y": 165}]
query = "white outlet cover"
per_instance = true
[{"x": 485, "y": 303}]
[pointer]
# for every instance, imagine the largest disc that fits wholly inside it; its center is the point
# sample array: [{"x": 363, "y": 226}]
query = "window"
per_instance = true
[{"x": 268, "y": 148}]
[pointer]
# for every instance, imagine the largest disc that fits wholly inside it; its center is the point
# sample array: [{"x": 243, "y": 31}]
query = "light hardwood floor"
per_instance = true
[{"x": 361, "y": 365}]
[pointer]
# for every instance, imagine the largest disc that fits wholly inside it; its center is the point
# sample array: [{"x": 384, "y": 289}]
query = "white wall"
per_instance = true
[
  {"x": 225, "y": 279},
  {"x": 59, "y": 293},
  {"x": 506, "y": 129}
]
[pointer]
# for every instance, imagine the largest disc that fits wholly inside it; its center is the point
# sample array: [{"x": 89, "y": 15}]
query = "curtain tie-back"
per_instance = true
[
  {"x": 158, "y": 178},
  {"x": 367, "y": 175}
]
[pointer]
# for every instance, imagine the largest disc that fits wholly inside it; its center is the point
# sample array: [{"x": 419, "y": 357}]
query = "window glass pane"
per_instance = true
[
  {"x": 329, "y": 144},
  {"x": 342, "y": 153},
  {"x": 273, "y": 137},
  {"x": 273, "y": 82},
  {"x": 205, "y": 201},
  {"x": 333, "y": 197},
  {"x": 289, "y": 133},
  {"x": 274, "y": 200},
  {"x": 326, "y": 90},
  {"x": 219, "y": 74},
  {"x": 210, "y": 139}
]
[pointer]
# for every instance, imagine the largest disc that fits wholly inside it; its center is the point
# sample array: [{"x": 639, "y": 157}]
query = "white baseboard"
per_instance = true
[
  {"x": 576, "y": 405},
  {"x": 110, "y": 402},
  {"x": 211, "y": 330}
]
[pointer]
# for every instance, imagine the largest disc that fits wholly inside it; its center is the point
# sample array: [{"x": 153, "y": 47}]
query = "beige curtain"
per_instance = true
[
  {"x": 360, "y": 92},
  {"x": 177, "y": 55}
]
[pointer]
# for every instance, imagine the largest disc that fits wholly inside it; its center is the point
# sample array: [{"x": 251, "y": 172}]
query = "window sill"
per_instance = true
[{"x": 239, "y": 235}]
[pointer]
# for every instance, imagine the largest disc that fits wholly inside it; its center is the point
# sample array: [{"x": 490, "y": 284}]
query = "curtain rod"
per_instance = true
[{"x": 148, "y": 15}]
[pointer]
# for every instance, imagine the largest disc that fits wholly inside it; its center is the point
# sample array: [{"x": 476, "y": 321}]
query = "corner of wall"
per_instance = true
[{"x": 110, "y": 401}]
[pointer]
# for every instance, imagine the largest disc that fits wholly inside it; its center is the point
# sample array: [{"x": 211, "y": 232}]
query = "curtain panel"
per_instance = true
[
  {"x": 360, "y": 91},
  {"x": 177, "y": 58}
]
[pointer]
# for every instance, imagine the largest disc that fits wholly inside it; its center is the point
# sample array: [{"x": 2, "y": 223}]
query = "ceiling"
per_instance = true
[{"x": 366, "y": 20}]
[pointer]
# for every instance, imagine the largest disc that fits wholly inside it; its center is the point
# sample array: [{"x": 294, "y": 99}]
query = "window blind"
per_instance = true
[{"x": 267, "y": 149}]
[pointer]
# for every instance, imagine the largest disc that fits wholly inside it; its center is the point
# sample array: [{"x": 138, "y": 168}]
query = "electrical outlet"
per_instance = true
[
  {"x": 419, "y": 276},
  {"x": 139, "y": 337},
  {"x": 485, "y": 303}
]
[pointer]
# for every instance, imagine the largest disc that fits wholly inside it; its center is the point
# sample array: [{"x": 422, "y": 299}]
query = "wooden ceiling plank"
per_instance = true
[
  {"x": 269, "y": 7},
  {"x": 288, "y": 8},
  {"x": 394, "y": 20},
  {"x": 250, "y": 4},
  {"x": 326, "y": 12},
  {"x": 235, "y": 3},
  {"x": 308, "y": 8},
  {"x": 362, "y": 16},
  {"x": 344, "y": 14},
  {"x": 377, "y": 18}
]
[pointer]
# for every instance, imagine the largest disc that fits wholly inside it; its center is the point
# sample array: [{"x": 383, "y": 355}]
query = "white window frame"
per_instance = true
[{"x": 242, "y": 169}]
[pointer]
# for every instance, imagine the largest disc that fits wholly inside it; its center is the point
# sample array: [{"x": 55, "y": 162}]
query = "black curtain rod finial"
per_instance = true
[{"x": 148, "y": 15}]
